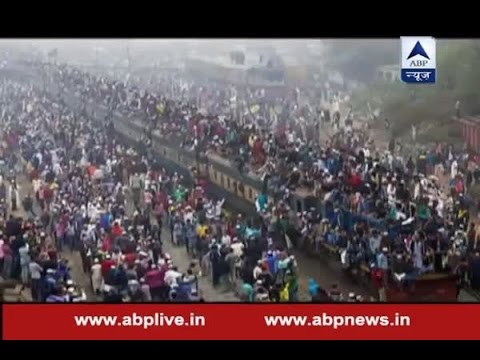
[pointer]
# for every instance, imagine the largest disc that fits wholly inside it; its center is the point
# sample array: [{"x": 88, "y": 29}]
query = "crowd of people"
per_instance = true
[
  {"x": 35, "y": 129},
  {"x": 81, "y": 183},
  {"x": 110, "y": 202},
  {"x": 393, "y": 214},
  {"x": 231, "y": 234}
]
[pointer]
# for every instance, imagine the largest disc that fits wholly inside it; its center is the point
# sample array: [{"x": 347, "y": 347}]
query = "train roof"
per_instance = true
[
  {"x": 473, "y": 120},
  {"x": 221, "y": 164}
]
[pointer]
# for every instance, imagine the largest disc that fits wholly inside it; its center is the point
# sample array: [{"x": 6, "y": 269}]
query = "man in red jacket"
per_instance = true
[
  {"x": 107, "y": 264},
  {"x": 117, "y": 230}
]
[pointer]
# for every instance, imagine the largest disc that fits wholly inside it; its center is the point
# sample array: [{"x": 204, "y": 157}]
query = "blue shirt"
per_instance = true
[
  {"x": 272, "y": 263},
  {"x": 105, "y": 221},
  {"x": 56, "y": 299},
  {"x": 382, "y": 261},
  {"x": 262, "y": 202}
]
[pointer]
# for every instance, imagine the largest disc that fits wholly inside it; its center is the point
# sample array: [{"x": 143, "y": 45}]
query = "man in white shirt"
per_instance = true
[
  {"x": 188, "y": 214},
  {"x": 237, "y": 247},
  {"x": 57, "y": 169},
  {"x": 257, "y": 270},
  {"x": 391, "y": 192},
  {"x": 218, "y": 207},
  {"x": 39, "y": 157},
  {"x": 210, "y": 215},
  {"x": 453, "y": 169},
  {"x": 226, "y": 239},
  {"x": 90, "y": 233},
  {"x": 97, "y": 278},
  {"x": 171, "y": 277}
]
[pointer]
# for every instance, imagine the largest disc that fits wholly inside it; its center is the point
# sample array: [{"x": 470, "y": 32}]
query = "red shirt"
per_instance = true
[
  {"x": 106, "y": 244},
  {"x": 231, "y": 230},
  {"x": 257, "y": 148},
  {"x": 377, "y": 278},
  {"x": 117, "y": 230},
  {"x": 459, "y": 187},
  {"x": 155, "y": 278},
  {"x": 355, "y": 180},
  {"x": 161, "y": 198},
  {"x": 52, "y": 254},
  {"x": 130, "y": 259},
  {"x": 47, "y": 193},
  {"x": 106, "y": 266},
  {"x": 91, "y": 170}
]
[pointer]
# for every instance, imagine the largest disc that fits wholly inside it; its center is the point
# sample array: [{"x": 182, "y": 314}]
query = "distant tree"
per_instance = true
[
  {"x": 429, "y": 107},
  {"x": 459, "y": 72}
]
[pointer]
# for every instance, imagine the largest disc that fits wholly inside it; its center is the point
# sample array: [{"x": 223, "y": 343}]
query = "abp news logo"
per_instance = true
[{"x": 418, "y": 60}]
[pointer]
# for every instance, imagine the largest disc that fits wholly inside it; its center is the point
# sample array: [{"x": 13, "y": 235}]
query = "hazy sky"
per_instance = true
[
  {"x": 148, "y": 51},
  {"x": 87, "y": 50}
]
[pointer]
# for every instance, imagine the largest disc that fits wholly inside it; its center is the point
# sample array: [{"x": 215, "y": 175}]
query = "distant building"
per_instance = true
[{"x": 389, "y": 73}]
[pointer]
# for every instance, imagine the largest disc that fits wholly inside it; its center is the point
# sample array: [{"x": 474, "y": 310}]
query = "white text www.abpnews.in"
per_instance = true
[
  {"x": 322, "y": 320},
  {"x": 338, "y": 321}
]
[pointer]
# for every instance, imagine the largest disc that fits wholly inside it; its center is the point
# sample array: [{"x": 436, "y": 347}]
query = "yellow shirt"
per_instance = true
[
  {"x": 202, "y": 230},
  {"x": 284, "y": 294}
]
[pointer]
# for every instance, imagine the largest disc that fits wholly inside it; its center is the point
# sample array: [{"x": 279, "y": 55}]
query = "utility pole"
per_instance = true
[
  {"x": 96, "y": 58},
  {"x": 129, "y": 58}
]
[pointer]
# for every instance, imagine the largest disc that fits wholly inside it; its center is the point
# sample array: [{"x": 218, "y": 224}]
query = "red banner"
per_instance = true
[{"x": 240, "y": 321}]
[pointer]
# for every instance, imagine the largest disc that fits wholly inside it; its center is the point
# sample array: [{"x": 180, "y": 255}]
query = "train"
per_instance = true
[
  {"x": 224, "y": 180},
  {"x": 241, "y": 190}
]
